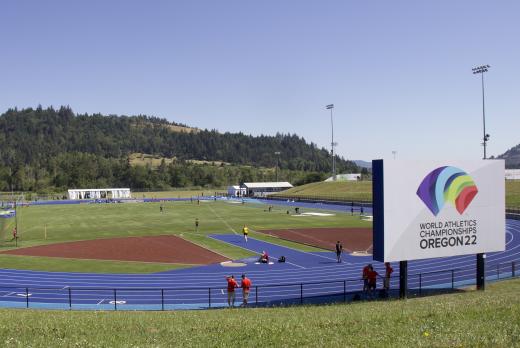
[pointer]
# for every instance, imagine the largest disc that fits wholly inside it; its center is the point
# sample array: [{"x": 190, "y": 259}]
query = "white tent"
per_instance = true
[{"x": 99, "y": 193}]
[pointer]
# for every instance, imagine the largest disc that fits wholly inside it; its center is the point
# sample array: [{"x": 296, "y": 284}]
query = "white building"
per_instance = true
[
  {"x": 236, "y": 191},
  {"x": 262, "y": 189},
  {"x": 114, "y": 193},
  {"x": 346, "y": 177},
  {"x": 512, "y": 174}
]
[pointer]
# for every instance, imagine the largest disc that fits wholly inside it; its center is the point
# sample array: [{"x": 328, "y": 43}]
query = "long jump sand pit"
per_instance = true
[
  {"x": 168, "y": 249},
  {"x": 352, "y": 239}
]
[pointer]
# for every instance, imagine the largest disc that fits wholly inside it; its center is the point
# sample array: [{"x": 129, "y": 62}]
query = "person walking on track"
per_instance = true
[
  {"x": 339, "y": 250},
  {"x": 245, "y": 231}
]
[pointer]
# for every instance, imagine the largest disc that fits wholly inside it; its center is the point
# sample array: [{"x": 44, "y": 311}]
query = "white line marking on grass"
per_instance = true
[
  {"x": 100, "y": 302},
  {"x": 204, "y": 247},
  {"x": 221, "y": 219}
]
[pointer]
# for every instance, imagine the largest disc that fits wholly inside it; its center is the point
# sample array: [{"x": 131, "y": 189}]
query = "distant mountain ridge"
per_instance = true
[
  {"x": 363, "y": 164},
  {"x": 512, "y": 157},
  {"x": 57, "y": 148}
]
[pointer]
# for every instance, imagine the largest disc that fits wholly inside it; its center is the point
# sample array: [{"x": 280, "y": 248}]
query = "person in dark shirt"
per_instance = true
[{"x": 339, "y": 250}]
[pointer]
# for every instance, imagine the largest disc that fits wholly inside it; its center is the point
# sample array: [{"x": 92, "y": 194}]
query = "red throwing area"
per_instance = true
[
  {"x": 169, "y": 249},
  {"x": 352, "y": 239}
]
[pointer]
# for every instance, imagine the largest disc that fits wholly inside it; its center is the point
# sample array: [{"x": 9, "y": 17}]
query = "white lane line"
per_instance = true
[
  {"x": 290, "y": 263},
  {"x": 328, "y": 258},
  {"x": 238, "y": 246}
]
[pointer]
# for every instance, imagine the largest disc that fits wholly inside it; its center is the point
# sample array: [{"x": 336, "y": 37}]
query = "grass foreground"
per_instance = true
[{"x": 469, "y": 318}]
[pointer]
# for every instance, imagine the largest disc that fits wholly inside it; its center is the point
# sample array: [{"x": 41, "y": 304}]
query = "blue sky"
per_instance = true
[{"x": 398, "y": 72}]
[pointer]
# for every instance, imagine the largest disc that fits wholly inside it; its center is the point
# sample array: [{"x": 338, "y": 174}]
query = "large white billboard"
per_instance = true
[{"x": 426, "y": 209}]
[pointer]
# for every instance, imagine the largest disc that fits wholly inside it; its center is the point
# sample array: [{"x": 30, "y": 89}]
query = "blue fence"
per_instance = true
[{"x": 89, "y": 298}]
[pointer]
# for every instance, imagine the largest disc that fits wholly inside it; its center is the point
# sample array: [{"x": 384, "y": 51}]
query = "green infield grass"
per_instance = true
[
  {"x": 48, "y": 224},
  {"x": 488, "y": 318},
  {"x": 513, "y": 193}
]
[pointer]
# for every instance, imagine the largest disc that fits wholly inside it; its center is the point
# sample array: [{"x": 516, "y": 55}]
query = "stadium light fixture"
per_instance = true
[
  {"x": 481, "y": 70},
  {"x": 481, "y": 257},
  {"x": 332, "y": 143}
]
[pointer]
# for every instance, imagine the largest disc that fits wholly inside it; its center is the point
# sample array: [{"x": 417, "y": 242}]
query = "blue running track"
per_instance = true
[{"x": 304, "y": 276}]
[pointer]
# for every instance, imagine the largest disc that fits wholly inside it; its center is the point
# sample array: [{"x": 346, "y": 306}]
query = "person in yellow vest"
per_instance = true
[{"x": 245, "y": 231}]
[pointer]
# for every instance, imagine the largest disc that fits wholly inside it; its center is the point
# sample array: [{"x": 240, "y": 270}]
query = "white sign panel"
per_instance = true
[{"x": 427, "y": 209}]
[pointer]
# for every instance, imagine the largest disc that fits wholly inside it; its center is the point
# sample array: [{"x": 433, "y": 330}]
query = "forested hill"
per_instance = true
[
  {"x": 39, "y": 142},
  {"x": 512, "y": 157}
]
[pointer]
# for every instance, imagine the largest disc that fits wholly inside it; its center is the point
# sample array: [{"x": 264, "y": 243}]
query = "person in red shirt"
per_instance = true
[
  {"x": 231, "y": 285},
  {"x": 264, "y": 258},
  {"x": 388, "y": 273},
  {"x": 365, "y": 277},
  {"x": 372, "y": 279},
  {"x": 245, "y": 284}
]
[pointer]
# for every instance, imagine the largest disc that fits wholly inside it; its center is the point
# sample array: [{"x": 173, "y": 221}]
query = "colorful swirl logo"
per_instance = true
[{"x": 447, "y": 184}]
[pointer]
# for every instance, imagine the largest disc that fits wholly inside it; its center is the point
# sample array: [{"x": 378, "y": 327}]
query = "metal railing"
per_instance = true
[
  {"x": 329, "y": 199},
  {"x": 260, "y": 295}
]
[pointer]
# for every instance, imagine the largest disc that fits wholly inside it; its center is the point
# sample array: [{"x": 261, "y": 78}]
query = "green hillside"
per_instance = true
[
  {"x": 330, "y": 190},
  {"x": 362, "y": 191},
  {"x": 49, "y": 149},
  {"x": 512, "y": 157}
]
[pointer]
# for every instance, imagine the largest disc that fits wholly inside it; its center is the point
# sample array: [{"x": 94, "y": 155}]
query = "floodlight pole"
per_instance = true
[
  {"x": 277, "y": 153},
  {"x": 332, "y": 143},
  {"x": 481, "y": 257},
  {"x": 485, "y": 137},
  {"x": 16, "y": 224}
]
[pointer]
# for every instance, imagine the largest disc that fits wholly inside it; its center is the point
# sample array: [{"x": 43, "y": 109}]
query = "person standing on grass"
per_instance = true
[
  {"x": 161, "y": 208},
  {"x": 245, "y": 284},
  {"x": 197, "y": 225},
  {"x": 339, "y": 250},
  {"x": 388, "y": 273},
  {"x": 245, "y": 231},
  {"x": 231, "y": 286}
]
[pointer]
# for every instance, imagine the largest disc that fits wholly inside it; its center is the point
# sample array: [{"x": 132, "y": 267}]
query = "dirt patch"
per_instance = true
[
  {"x": 352, "y": 239},
  {"x": 169, "y": 249}
]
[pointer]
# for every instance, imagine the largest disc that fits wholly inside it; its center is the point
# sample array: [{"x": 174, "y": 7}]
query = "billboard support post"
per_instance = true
[
  {"x": 403, "y": 279},
  {"x": 481, "y": 271}
]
